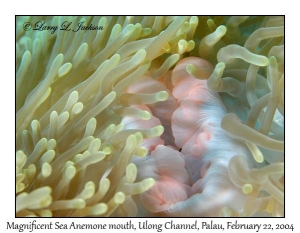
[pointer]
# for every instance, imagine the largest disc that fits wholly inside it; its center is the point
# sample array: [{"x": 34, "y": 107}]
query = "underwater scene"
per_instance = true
[{"x": 150, "y": 116}]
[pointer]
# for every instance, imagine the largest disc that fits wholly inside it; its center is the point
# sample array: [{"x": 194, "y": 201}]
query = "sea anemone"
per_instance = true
[{"x": 150, "y": 116}]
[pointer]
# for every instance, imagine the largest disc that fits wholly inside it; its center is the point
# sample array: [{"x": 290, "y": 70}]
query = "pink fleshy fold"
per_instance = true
[
  {"x": 191, "y": 168},
  {"x": 172, "y": 179},
  {"x": 162, "y": 110},
  {"x": 137, "y": 123}
]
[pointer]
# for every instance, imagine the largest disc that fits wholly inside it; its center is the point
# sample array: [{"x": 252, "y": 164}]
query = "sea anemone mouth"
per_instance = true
[{"x": 150, "y": 116}]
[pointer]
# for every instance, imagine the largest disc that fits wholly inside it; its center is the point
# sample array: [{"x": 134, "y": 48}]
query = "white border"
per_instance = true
[{"x": 156, "y": 7}]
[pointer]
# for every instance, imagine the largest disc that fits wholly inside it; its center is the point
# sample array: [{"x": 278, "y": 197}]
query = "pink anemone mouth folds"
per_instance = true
[{"x": 190, "y": 160}]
